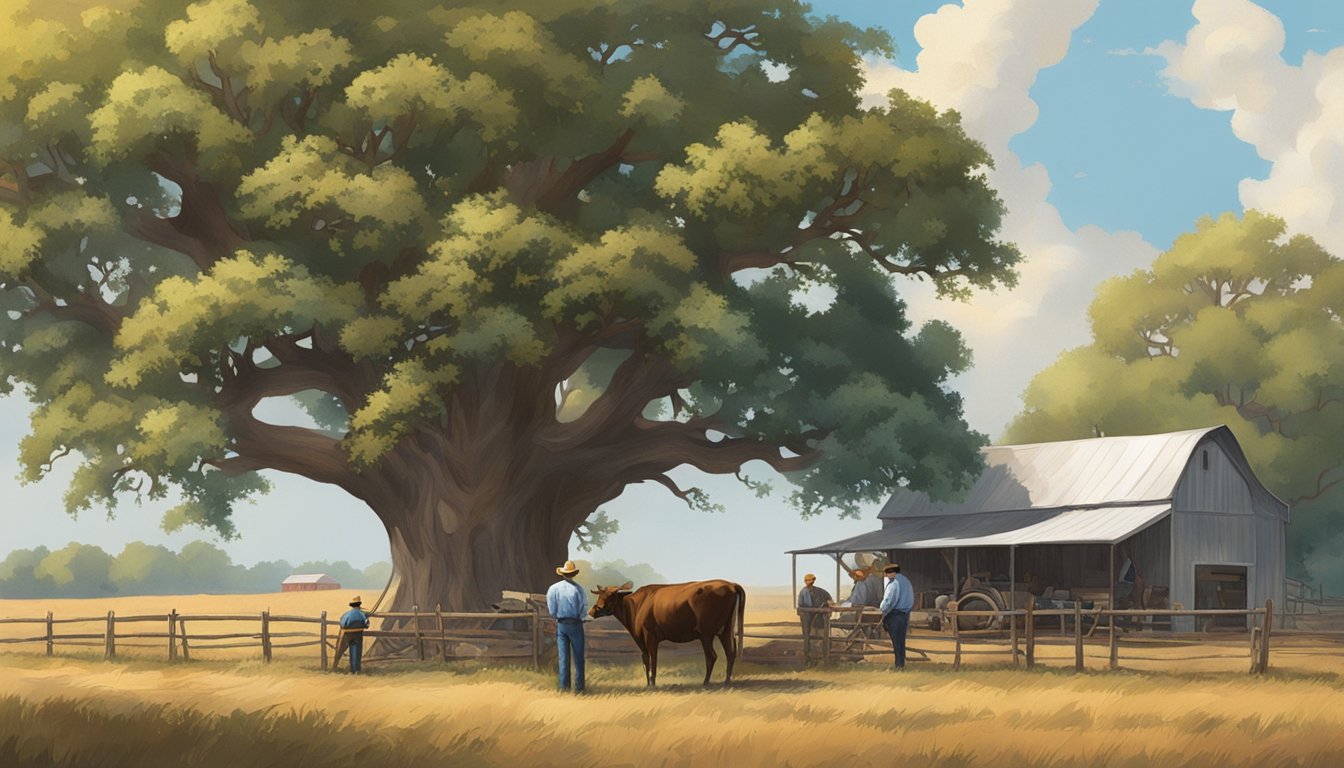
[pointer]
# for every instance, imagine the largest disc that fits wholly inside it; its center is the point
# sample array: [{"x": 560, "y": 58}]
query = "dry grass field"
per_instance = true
[{"x": 77, "y": 710}]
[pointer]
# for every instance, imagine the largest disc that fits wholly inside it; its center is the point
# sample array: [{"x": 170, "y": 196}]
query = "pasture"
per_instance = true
[{"x": 78, "y": 710}]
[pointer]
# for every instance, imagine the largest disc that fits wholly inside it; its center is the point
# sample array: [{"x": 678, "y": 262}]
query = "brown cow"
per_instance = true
[{"x": 678, "y": 613}]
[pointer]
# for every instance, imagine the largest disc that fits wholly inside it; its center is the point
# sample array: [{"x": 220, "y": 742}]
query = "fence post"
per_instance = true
[
  {"x": 172, "y": 635},
  {"x": 443, "y": 633},
  {"x": 1031, "y": 635},
  {"x": 182, "y": 625},
  {"x": 1078, "y": 635},
  {"x": 1255, "y": 649},
  {"x": 50, "y": 637},
  {"x": 1012, "y": 631},
  {"x": 323, "y": 643},
  {"x": 110, "y": 640},
  {"x": 536, "y": 636},
  {"x": 956, "y": 639},
  {"x": 1114, "y": 649},
  {"x": 419, "y": 639},
  {"x": 1264, "y": 636},
  {"x": 266, "y": 636}
]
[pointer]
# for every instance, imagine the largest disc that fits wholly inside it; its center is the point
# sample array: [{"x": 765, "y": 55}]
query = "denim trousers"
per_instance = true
[
  {"x": 896, "y": 624},
  {"x": 356, "y": 652},
  {"x": 569, "y": 643}
]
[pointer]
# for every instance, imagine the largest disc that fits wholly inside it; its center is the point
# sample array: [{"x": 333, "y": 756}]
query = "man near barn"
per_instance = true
[
  {"x": 353, "y": 623},
  {"x": 897, "y": 602},
  {"x": 567, "y": 604},
  {"x": 811, "y": 596}
]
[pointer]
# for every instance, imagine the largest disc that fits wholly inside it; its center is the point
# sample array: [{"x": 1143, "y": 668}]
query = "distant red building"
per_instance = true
[{"x": 308, "y": 582}]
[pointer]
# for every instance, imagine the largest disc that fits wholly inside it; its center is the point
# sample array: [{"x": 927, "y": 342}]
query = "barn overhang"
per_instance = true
[{"x": 1075, "y": 525}]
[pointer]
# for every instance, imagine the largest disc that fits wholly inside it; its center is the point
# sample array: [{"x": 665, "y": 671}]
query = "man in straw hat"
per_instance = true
[
  {"x": 353, "y": 623},
  {"x": 567, "y": 603},
  {"x": 811, "y": 596},
  {"x": 897, "y": 602}
]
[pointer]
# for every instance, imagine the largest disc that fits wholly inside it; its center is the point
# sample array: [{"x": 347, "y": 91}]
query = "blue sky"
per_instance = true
[{"x": 1114, "y": 126}]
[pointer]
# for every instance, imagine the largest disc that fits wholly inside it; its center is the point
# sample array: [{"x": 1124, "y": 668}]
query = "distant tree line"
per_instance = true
[{"x": 85, "y": 570}]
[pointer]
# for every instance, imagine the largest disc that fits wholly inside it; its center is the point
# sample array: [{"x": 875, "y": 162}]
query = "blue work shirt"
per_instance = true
[
  {"x": 899, "y": 595},
  {"x": 354, "y": 619},
  {"x": 566, "y": 600}
]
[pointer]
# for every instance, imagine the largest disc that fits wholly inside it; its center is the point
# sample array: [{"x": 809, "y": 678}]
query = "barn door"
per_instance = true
[{"x": 1222, "y": 587}]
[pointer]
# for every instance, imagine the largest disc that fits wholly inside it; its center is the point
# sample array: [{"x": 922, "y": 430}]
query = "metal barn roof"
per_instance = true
[
  {"x": 1074, "y": 473},
  {"x": 309, "y": 578},
  {"x": 1100, "y": 490}
]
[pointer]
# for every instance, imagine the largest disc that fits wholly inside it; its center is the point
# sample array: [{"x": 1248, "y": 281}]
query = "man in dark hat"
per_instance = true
[
  {"x": 353, "y": 623},
  {"x": 567, "y": 604},
  {"x": 897, "y": 602}
]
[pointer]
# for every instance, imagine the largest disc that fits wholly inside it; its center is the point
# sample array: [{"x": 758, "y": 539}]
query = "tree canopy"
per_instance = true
[
  {"x": 558, "y": 242},
  {"x": 1237, "y": 323}
]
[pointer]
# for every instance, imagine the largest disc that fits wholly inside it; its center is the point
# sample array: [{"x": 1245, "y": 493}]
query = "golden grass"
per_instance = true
[{"x": 502, "y": 716}]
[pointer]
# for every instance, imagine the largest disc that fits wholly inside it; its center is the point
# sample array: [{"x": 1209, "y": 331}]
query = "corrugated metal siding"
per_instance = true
[
  {"x": 1220, "y": 488},
  {"x": 1201, "y": 538}
]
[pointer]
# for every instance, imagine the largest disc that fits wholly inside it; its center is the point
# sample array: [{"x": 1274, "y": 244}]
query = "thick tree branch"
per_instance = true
[
  {"x": 201, "y": 230},
  {"x": 537, "y": 183}
]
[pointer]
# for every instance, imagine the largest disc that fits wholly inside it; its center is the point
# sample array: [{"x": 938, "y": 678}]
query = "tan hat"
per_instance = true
[
  {"x": 809, "y": 577},
  {"x": 355, "y": 600},
  {"x": 569, "y": 569}
]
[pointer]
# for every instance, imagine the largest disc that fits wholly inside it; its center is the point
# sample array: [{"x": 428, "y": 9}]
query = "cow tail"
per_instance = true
[{"x": 741, "y": 614}]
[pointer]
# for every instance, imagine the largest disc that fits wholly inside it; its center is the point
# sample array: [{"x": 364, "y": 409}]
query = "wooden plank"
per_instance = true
[
  {"x": 1078, "y": 636},
  {"x": 186, "y": 651},
  {"x": 419, "y": 638},
  {"x": 49, "y": 634},
  {"x": 110, "y": 651},
  {"x": 1113, "y": 642},
  {"x": 956, "y": 637},
  {"x": 1031, "y": 636},
  {"x": 443, "y": 637},
  {"x": 1012, "y": 618},
  {"x": 1255, "y": 649},
  {"x": 172, "y": 635},
  {"x": 266, "y": 636},
  {"x": 1264, "y": 636},
  {"x": 323, "y": 639}
]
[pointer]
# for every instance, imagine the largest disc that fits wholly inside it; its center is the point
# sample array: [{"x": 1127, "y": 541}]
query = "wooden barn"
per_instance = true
[
  {"x": 308, "y": 582},
  {"x": 1067, "y": 519}
]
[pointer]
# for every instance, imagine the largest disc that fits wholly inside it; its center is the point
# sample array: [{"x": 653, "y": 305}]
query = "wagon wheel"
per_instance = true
[{"x": 977, "y": 601}]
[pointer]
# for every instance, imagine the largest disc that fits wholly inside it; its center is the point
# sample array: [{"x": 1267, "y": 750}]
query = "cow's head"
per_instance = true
[{"x": 607, "y": 599}]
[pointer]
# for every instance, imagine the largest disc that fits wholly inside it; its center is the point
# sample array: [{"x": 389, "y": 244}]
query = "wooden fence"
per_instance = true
[{"x": 846, "y": 634}]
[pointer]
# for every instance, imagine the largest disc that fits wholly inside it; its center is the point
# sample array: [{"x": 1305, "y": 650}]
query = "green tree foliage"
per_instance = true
[
  {"x": 1236, "y": 324},
  {"x": 616, "y": 572},
  {"x": 85, "y": 570},
  {"x": 428, "y": 222}
]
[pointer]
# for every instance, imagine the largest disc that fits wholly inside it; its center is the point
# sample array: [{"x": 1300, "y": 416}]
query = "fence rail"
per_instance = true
[{"x": 855, "y": 634}]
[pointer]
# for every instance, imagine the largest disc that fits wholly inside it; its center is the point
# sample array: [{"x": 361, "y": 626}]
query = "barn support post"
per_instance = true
[
  {"x": 172, "y": 635},
  {"x": 323, "y": 640},
  {"x": 795, "y": 580},
  {"x": 837, "y": 576},
  {"x": 1012, "y": 598},
  {"x": 956, "y": 583},
  {"x": 1110, "y": 622},
  {"x": 1031, "y": 636},
  {"x": 1078, "y": 635},
  {"x": 50, "y": 636}
]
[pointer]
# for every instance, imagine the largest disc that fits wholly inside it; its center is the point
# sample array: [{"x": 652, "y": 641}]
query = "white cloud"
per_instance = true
[
  {"x": 981, "y": 59},
  {"x": 1232, "y": 60}
]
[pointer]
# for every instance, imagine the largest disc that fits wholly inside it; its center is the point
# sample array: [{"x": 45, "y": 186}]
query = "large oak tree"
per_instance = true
[
  {"x": 512, "y": 256},
  {"x": 1237, "y": 323}
]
